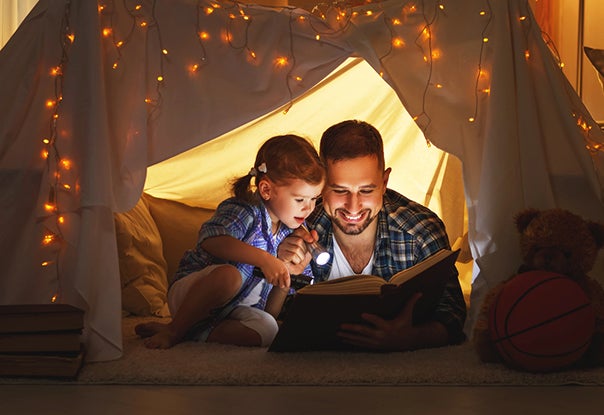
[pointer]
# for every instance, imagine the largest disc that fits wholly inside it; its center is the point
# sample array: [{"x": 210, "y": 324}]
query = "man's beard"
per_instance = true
[{"x": 353, "y": 229}]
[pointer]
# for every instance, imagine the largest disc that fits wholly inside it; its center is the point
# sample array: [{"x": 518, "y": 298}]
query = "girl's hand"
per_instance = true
[
  {"x": 275, "y": 272},
  {"x": 293, "y": 249}
]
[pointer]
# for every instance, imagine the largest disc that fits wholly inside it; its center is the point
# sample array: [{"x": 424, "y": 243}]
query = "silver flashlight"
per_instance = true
[{"x": 318, "y": 252}]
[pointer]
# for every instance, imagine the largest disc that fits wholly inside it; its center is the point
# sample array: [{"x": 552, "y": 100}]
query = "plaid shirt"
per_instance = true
[
  {"x": 248, "y": 223},
  {"x": 407, "y": 234}
]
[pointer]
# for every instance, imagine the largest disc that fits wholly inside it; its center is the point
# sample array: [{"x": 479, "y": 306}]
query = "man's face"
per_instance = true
[{"x": 353, "y": 193}]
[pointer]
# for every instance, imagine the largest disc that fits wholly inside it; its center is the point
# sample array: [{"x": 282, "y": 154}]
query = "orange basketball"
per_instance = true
[{"x": 541, "y": 322}]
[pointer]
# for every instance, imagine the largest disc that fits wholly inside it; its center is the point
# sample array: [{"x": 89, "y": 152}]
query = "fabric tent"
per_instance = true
[{"x": 93, "y": 94}]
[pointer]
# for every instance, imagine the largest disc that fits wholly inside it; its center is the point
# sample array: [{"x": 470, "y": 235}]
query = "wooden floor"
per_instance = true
[{"x": 174, "y": 400}]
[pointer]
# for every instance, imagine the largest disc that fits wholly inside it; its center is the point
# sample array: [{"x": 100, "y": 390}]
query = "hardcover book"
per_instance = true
[
  {"x": 316, "y": 311},
  {"x": 19, "y": 318}
]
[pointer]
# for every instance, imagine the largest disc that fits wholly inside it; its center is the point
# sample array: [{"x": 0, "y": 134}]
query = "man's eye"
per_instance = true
[
  {"x": 299, "y": 200},
  {"x": 367, "y": 192},
  {"x": 340, "y": 192}
]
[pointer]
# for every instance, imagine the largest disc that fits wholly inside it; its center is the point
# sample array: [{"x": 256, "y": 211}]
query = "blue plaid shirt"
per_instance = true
[
  {"x": 407, "y": 234},
  {"x": 248, "y": 223}
]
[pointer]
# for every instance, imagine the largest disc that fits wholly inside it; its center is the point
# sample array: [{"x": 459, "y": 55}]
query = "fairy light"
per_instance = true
[
  {"x": 397, "y": 42},
  {"x": 281, "y": 61}
]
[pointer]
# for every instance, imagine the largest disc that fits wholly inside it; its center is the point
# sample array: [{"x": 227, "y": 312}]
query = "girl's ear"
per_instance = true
[{"x": 264, "y": 189}]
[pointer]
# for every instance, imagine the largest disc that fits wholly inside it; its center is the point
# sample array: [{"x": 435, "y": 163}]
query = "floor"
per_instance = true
[{"x": 175, "y": 400}]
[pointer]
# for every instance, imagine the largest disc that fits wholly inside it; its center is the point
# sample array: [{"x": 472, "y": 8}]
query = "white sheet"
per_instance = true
[{"x": 525, "y": 147}]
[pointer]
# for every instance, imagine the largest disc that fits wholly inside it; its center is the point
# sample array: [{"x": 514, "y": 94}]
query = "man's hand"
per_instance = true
[
  {"x": 398, "y": 334},
  {"x": 292, "y": 250}
]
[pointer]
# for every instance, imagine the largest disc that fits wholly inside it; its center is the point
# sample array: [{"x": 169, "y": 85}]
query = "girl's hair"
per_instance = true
[
  {"x": 281, "y": 159},
  {"x": 351, "y": 139}
]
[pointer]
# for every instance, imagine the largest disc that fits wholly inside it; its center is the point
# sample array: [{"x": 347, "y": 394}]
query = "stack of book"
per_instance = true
[{"x": 41, "y": 340}]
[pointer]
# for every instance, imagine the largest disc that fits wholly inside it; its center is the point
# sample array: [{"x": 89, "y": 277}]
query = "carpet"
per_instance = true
[{"x": 192, "y": 363}]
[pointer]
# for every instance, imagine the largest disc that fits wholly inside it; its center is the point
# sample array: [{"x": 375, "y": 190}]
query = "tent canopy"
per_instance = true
[{"x": 94, "y": 94}]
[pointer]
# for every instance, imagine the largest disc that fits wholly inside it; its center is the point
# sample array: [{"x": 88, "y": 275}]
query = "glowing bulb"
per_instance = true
[
  {"x": 209, "y": 11},
  {"x": 49, "y": 207},
  {"x": 281, "y": 61},
  {"x": 193, "y": 68},
  {"x": 66, "y": 164},
  {"x": 396, "y": 22},
  {"x": 471, "y": 119},
  {"x": 527, "y": 54},
  {"x": 55, "y": 71},
  {"x": 397, "y": 42},
  {"x": 482, "y": 13},
  {"x": 137, "y": 7},
  {"x": 318, "y": 37},
  {"x": 114, "y": 66},
  {"x": 45, "y": 264},
  {"x": 61, "y": 219},
  {"x": 485, "y": 39},
  {"x": 160, "y": 78},
  {"x": 48, "y": 239},
  {"x": 50, "y": 103},
  {"x": 143, "y": 24},
  {"x": 204, "y": 35},
  {"x": 107, "y": 32},
  {"x": 164, "y": 51},
  {"x": 71, "y": 37}
]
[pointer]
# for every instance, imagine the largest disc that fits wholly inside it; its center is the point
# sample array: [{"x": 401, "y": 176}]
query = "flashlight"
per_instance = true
[{"x": 318, "y": 252}]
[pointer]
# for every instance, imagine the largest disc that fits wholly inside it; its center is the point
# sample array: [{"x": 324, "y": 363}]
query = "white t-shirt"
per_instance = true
[{"x": 341, "y": 267}]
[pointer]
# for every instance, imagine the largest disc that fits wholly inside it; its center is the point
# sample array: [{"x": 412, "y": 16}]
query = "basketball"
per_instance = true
[{"x": 541, "y": 322}]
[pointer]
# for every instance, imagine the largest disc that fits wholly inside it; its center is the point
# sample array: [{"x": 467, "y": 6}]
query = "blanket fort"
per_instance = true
[{"x": 93, "y": 93}]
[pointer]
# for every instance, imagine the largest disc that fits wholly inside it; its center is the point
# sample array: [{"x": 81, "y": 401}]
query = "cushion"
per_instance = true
[
  {"x": 141, "y": 261},
  {"x": 178, "y": 225}
]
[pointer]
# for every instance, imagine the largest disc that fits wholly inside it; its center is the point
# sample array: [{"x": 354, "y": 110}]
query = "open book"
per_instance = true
[{"x": 316, "y": 311}]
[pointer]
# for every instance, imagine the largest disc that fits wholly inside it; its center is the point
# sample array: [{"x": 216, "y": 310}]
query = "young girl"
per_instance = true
[{"x": 217, "y": 296}]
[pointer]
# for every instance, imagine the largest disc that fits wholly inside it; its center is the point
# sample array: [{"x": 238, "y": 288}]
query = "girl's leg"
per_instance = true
[
  {"x": 204, "y": 293},
  {"x": 246, "y": 326}
]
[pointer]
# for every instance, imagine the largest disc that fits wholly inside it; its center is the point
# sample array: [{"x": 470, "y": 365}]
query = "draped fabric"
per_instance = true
[{"x": 94, "y": 94}]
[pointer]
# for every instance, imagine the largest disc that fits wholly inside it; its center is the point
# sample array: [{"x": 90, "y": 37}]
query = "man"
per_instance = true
[{"x": 370, "y": 229}]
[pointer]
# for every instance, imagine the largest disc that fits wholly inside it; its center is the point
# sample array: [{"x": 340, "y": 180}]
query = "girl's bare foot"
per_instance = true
[
  {"x": 157, "y": 335},
  {"x": 148, "y": 329}
]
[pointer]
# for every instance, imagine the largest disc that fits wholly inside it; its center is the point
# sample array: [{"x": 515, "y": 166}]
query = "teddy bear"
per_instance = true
[{"x": 554, "y": 240}]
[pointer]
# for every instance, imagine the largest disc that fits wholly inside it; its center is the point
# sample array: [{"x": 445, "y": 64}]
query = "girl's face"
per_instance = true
[{"x": 290, "y": 203}]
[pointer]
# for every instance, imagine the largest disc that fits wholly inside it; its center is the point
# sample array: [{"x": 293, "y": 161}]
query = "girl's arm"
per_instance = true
[
  {"x": 229, "y": 248},
  {"x": 275, "y": 300}
]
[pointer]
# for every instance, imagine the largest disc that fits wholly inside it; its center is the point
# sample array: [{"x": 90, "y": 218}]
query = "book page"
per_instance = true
[
  {"x": 354, "y": 284},
  {"x": 407, "y": 274}
]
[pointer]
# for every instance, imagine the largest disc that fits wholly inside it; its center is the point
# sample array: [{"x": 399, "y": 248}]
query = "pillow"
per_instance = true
[
  {"x": 141, "y": 261},
  {"x": 178, "y": 225}
]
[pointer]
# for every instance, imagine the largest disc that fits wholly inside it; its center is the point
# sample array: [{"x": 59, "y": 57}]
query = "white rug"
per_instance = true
[{"x": 210, "y": 364}]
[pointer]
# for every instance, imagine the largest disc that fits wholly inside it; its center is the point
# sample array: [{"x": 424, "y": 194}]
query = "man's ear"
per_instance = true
[
  {"x": 386, "y": 177},
  {"x": 264, "y": 189}
]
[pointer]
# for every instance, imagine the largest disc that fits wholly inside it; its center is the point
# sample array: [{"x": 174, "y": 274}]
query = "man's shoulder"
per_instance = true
[
  {"x": 404, "y": 213},
  {"x": 400, "y": 205}
]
